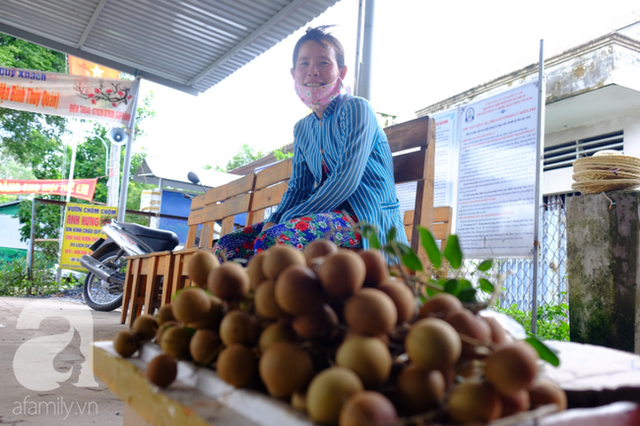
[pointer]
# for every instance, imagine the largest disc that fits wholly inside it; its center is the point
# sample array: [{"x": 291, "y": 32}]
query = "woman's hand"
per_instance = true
[{"x": 268, "y": 225}]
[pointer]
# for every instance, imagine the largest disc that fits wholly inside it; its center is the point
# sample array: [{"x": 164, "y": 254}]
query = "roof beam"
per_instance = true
[{"x": 91, "y": 23}]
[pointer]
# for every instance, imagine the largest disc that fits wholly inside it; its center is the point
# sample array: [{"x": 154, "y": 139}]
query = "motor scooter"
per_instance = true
[{"x": 107, "y": 264}]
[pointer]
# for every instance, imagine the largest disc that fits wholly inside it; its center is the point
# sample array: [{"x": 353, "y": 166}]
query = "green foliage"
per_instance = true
[
  {"x": 14, "y": 280},
  {"x": 552, "y": 322},
  {"x": 281, "y": 155},
  {"x": 246, "y": 155},
  {"x": 31, "y": 144}
]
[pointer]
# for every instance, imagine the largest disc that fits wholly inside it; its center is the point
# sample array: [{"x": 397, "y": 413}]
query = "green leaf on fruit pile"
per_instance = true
[
  {"x": 485, "y": 265},
  {"x": 544, "y": 351},
  {"x": 486, "y": 286},
  {"x": 467, "y": 295},
  {"x": 391, "y": 235},
  {"x": 430, "y": 246},
  {"x": 452, "y": 287},
  {"x": 369, "y": 232},
  {"x": 411, "y": 261},
  {"x": 452, "y": 251}
]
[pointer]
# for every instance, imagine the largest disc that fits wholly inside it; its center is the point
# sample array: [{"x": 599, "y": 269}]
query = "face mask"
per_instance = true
[{"x": 319, "y": 98}]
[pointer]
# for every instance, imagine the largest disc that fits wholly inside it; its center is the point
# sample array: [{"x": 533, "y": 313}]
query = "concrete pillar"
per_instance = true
[{"x": 604, "y": 269}]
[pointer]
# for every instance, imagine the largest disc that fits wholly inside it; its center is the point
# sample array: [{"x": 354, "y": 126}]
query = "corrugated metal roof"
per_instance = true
[{"x": 190, "y": 45}]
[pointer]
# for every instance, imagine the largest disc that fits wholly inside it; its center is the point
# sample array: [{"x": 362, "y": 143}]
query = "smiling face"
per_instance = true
[{"x": 316, "y": 65}]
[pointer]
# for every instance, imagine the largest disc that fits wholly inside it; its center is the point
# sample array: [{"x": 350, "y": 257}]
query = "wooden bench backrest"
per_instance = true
[
  {"x": 413, "y": 146},
  {"x": 271, "y": 183},
  {"x": 221, "y": 203},
  {"x": 441, "y": 224}
]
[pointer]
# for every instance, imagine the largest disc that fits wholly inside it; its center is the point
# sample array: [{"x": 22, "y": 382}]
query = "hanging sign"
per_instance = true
[
  {"x": 67, "y": 95},
  {"x": 80, "y": 188},
  {"x": 497, "y": 174},
  {"x": 82, "y": 226}
]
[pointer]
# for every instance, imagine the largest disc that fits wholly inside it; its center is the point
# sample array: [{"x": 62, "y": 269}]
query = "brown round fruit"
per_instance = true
[
  {"x": 145, "y": 326},
  {"x": 191, "y": 305},
  {"x": 164, "y": 314},
  {"x": 469, "y": 325},
  {"x": 420, "y": 389},
  {"x": 279, "y": 257},
  {"x": 237, "y": 365},
  {"x": 265, "y": 301},
  {"x": 370, "y": 312},
  {"x": 515, "y": 403},
  {"x": 316, "y": 323},
  {"x": 239, "y": 327},
  {"x": 342, "y": 274},
  {"x": 212, "y": 319},
  {"x": 276, "y": 332},
  {"x": 298, "y": 290},
  {"x": 368, "y": 357},
  {"x": 254, "y": 270},
  {"x": 433, "y": 344},
  {"x": 511, "y": 367},
  {"x": 498, "y": 334},
  {"x": 543, "y": 392},
  {"x": 376, "y": 267},
  {"x": 175, "y": 342},
  {"x": 162, "y": 370},
  {"x": 200, "y": 266},
  {"x": 368, "y": 409},
  {"x": 402, "y": 297},
  {"x": 126, "y": 343},
  {"x": 317, "y": 249},
  {"x": 299, "y": 401},
  {"x": 204, "y": 346},
  {"x": 164, "y": 327},
  {"x": 328, "y": 391},
  {"x": 474, "y": 402},
  {"x": 229, "y": 281},
  {"x": 285, "y": 369},
  {"x": 440, "y": 306}
]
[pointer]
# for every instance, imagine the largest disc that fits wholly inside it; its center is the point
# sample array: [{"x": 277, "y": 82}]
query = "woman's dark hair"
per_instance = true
[{"x": 320, "y": 36}]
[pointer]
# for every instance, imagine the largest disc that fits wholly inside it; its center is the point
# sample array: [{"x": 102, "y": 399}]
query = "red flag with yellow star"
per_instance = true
[{"x": 79, "y": 66}]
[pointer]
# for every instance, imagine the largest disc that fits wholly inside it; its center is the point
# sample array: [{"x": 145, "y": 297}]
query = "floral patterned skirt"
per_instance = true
[{"x": 244, "y": 243}]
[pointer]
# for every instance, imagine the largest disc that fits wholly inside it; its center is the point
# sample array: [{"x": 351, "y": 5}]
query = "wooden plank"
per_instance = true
[
  {"x": 408, "y": 135},
  {"x": 256, "y": 216},
  {"x": 150, "y": 290},
  {"x": 409, "y": 167},
  {"x": 198, "y": 202},
  {"x": 268, "y": 197},
  {"x": 273, "y": 174},
  {"x": 126, "y": 295},
  {"x": 440, "y": 214},
  {"x": 227, "y": 225}
]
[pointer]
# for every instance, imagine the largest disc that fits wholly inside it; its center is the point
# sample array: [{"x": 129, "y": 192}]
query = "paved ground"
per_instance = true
[{"x": 45, "y": 374}]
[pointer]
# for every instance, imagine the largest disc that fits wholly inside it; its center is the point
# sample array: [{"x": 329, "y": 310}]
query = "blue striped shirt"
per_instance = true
[{"x": 356, "y": 151}]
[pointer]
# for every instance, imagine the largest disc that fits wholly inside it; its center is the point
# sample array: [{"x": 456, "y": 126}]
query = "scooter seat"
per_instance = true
[{"x": 157, "y": 239}]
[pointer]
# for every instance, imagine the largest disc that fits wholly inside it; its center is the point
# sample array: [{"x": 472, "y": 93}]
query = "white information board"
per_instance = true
[
  {"x": 496, "y": 174},
  {"x": 446, "y": 156}
]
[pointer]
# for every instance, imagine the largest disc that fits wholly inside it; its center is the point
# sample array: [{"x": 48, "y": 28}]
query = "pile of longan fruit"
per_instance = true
[{"x": 330, "y": 331}]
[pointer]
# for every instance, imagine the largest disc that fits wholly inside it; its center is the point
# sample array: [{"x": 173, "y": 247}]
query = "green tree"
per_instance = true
[
  {"x": 246, "y": 155},
  {"x": 32, "y": 142}
]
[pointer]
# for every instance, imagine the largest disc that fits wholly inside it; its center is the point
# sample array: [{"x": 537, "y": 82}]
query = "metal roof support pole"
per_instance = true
[
  {"x": 537, "y": 222},
  {"x": 131, "y": 128},
  {"x": 364, "y": 77},
  {"x": 356, "y": 73}
]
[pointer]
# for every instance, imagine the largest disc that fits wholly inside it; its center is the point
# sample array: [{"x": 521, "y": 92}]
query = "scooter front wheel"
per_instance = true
[{"x": 97, "y": 293}]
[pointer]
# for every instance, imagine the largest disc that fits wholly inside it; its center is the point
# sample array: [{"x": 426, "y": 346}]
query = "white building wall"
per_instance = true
[
  {"x": 10, "y": 233},
  {"x": 559, "y": 181}
]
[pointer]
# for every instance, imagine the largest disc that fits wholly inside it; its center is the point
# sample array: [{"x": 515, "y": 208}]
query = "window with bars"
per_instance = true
[{"x": 563, "y": 155}]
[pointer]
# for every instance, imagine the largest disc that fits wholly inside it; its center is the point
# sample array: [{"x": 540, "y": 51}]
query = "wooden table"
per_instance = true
[{"x": 590, "y": 374}]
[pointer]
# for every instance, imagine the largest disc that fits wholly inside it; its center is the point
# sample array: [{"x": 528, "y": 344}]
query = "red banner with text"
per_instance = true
[{"x": 80, "y": 188}]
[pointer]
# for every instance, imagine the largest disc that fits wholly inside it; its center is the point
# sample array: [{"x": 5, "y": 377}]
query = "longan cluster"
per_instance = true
[{"x": 330, "y": 331}]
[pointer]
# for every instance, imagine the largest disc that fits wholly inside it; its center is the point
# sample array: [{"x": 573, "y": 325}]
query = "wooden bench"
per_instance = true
[
  {"x": 413, "y": 146},
  {"x": 441, "y": 227}
]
